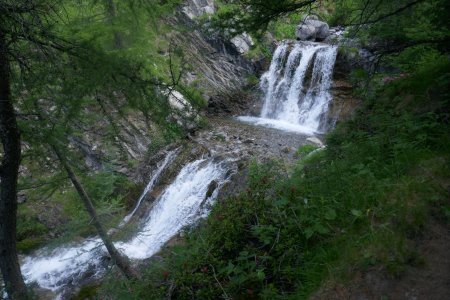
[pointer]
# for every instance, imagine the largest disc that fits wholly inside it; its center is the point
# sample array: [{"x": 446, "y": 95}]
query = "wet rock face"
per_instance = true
[
  {"x": 352, "y": 56},
  {"x": 344, "y": 102},
  {"x": 237, "y": 102},
  {"x": 311, "y": 29},
  {"x": 211, "y": 188},
  {"x": 306, "y": 32}
]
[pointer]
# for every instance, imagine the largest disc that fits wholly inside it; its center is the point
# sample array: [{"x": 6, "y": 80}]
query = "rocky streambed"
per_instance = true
[{"x": 233, "y": 137}]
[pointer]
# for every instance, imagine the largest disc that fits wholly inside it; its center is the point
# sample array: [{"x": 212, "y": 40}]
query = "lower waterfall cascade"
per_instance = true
[
  {"x": 181, "y": 204},
  {"x": 168, "y": 159}
]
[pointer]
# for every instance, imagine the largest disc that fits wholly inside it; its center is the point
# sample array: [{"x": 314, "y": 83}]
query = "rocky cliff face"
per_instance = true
[
  {"x": 217, "y": 68},
  {"x": 217, "y": 62}
]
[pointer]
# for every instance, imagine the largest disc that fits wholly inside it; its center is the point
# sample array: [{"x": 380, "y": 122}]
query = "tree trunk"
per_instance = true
[
  {"x": 117, "y": 258},
  {"x": 111, "y": 14},
  {"x": 9, "y": 170}
]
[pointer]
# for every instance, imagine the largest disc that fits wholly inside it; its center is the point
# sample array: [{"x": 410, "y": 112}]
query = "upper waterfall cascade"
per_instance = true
[{"x": 296, "y": 87}]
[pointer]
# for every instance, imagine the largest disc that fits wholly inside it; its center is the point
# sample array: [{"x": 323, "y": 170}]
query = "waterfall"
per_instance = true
[
  {"x": 182, "y": 203},
  {"x": 296, "y": 87},
  {"x": 168, "y": 159}
]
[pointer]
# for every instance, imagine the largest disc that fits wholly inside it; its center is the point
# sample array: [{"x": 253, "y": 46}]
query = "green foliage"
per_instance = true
[
  {"x": 72, "y": 79},
  {"x": 29, "y": 244},
  {"x": 30, "y": 232},
  {"x": 305, "y": 150},
  {"x": 256, "y": 15},
  {"x": 87, "y": 292},
  {"x": 58, "y": 203},
  {"x": 89, "y": 79},
  {"x": 284, "y": 28},
  {"x": 109, "y": 192},
  {"x": 259, "y": 50}
]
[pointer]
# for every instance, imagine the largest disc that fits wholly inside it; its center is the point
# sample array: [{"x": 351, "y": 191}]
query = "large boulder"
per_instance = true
[
  {"x": 306, "y": 32},
  {"x": 311, "y": 29},
  {"x": 242, "y": 43}
]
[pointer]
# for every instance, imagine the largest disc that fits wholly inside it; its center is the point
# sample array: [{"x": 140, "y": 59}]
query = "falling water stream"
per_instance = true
[
  {"x": 182, "y": 203},
  {"x": 167, "y": 160},
  {"x": 296, "y": 88}
]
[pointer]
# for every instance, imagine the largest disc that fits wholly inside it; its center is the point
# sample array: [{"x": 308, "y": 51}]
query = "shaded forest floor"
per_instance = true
[{"x": 430, "y": 279}]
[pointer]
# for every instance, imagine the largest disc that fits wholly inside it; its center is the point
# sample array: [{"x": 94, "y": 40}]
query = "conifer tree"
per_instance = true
[{"x": 60, "y": 59}]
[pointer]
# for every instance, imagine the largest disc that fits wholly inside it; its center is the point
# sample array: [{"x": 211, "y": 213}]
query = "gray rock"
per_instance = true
[
  {"x": 286, "y": 150},
  {"x": 315, "y": 141},
  {"x": 311, "y": 29},
  {"x": 242, "y": 43},
  {"x": 196, "y": 8},
  {"x": 211, "y": 188},
  {"x": 306, "y": 32},
  {"x": 311, "y": 17},
  {"x": 21, "y": 198},
  {"x": 322, "y": 29}
]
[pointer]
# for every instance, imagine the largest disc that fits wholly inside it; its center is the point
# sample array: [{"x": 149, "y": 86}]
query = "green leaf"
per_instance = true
[
  {"x": 281, "y": 202},
  {"x": 260, "y": 275},
  {"x": 321, "y": 229},
  {"x": 309, "y": 232},
  {"x": 330, "y": 214},
  {"x": 357, "y": 213}
]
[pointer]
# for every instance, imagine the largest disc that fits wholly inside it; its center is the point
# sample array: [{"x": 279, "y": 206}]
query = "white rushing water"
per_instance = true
[
  {"x": 277, "y": 124},
  {"x": 182, "y": 203},
  {"x": 168, "y": 159},
  {"x": 296, "y": 87}
]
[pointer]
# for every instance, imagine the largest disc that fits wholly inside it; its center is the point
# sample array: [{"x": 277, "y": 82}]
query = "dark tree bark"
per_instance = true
[
  {"x": 111, "y": 14},
  {"x": 9, "y": 170},
  {"x": 119, "y": 260}
]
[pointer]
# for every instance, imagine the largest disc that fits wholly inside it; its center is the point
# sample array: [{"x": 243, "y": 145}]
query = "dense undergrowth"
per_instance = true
[{"x": 355, "y": 204}]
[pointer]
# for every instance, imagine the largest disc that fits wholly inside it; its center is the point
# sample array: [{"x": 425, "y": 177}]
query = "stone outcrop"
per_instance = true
[
  {"x": 197, "y": 8},
  {"x": 242, "y": 43},
  {"x": 217, "y": 66},
  {"x": 344, "y": 102},
  {"x": 312, "y": 29}
]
